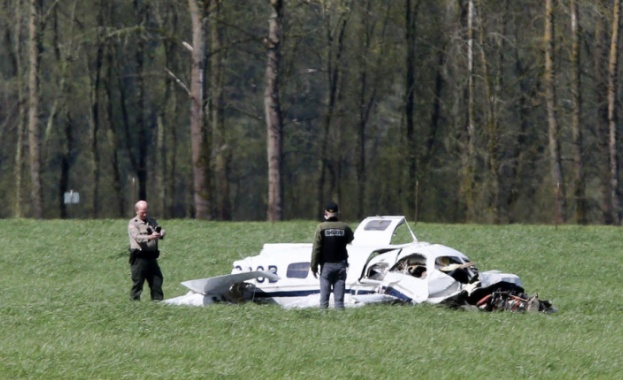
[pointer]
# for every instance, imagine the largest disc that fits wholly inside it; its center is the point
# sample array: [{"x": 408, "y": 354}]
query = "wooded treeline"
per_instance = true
[{"x": 445, "y": 111}]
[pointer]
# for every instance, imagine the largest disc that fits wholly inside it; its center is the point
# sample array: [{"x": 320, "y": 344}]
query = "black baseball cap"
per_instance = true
[{"x": 331, "y": 207}]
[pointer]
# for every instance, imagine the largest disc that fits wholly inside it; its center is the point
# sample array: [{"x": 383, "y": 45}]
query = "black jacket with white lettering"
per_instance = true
[{"x": 330, "y": 242}]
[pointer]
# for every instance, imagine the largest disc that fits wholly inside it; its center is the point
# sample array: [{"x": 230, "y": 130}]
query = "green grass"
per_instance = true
[{"x": 65, "y": 314}]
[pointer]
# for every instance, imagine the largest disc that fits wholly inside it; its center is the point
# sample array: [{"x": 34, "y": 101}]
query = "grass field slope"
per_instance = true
[{"x": 65, "y": 312}]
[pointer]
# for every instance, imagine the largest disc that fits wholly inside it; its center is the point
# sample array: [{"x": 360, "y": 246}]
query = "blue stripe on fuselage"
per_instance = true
[
  {"x": 304, "y": 293},
  {"x": 396, "y": 293}
]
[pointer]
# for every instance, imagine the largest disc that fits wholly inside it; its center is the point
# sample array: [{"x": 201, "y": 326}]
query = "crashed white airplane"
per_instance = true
[{"x": 381, "y": 270}]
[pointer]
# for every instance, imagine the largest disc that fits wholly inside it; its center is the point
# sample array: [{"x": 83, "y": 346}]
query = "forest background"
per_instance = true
[{"x": 480, "y": 111}]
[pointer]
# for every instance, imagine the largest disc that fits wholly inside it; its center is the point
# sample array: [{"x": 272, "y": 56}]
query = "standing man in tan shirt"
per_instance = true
[{"x": 144, "y": 234}]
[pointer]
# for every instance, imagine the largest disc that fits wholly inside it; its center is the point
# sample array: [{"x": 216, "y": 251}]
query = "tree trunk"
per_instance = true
[
  {"x": 34, "y": 35},
  {"x": 160, "y": 159},
  {"x": 167, "y": 115},
  {"x": 104, "y": 17},
  {"x": 519, "y": 163},
  {"x": 600, "y": 63},
  {"x": 272, "y": 110},
  {"x": 550, "y": 98},
  {"x": 96, "y": 81},
  {"x": 113, "y": 139},
  {"x": 469, "y": 152},
  {"x": 60, "y": 102},
  {"x": 432, "y": 139},
  {"x": 200, "y": 161},
  {"x": 411, "y": 13},
  {"x": 140, "y": 11},
  {"x": 18, "y": 166},
  {"x": 126, "y": 128},
  {"x": 63, "y": 182},
  {"x": 367, "y": 98},
  {"x": 173, "y": 158},
  {"x": 492, "y": 128},
  {"x": 114, "y": 132},
  {"x": 576, "y": 122},
  {"x": 613, "y": 64},
  {"x": 335, "y": 47},
  {"x": 221, "y": 149}
]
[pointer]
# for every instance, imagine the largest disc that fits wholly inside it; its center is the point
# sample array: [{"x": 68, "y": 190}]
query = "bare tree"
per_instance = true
[
  {"x": 492, "y": 125},
  {"x": 369, "y": 78},
  {"x": 599, "y": 73},
  {"x": 333, "y": 58},
  {"x": 550, "y": 98},
  {"x": 140, "y": 13},
  {"x": 104, "y": 18},
  {"x": 434, "y": 137},
  {"x": 273, "y": 113},
  {"x": 68, "y": 146},
  {"x": 613, "y": 64},
  {"x": 521, "y": 162},
  {"x": 411, "y": 12},
  {"x": 200, "y": 160},
  {"x": 16, "y": 57},
  {"x": 64, "y": 53},
  {"x": 95, "y": 68},
  {"x": 221, "y": 149},
  {"x": 169, "y": 18},
  {"x": 33, "y": 109},
  {"x": 576, "y": 122},
  {"x": 469, "y": 150},
  {"x": 18, "y": 168}
]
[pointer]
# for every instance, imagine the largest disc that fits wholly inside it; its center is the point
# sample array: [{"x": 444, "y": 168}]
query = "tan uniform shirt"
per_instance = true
[{"x": 139, "y": 232}]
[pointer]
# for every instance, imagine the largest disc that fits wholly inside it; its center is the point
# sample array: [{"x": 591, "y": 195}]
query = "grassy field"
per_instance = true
[{"x": 65, "y": 314}]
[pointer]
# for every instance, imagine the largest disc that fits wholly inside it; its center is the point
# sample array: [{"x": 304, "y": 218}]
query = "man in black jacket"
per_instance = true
[{"x": 329, "y": 253}]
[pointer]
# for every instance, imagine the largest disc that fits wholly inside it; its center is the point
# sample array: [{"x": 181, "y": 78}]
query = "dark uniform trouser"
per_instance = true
[
  {"x": 146, "y": 269},
  {"x": 333, "y": 277}
]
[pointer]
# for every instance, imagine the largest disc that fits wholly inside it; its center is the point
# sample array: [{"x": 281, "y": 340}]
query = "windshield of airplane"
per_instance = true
[
  {"x": 377, "y": 225},
  {"x": 402, "y": 235}
]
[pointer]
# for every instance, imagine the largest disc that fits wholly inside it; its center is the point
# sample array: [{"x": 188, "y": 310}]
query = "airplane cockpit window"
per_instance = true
[
  {"x": 378, "y": 263},
  {"x": 377, "y": 271},
  {"x": 444, "y": 261},
  {"x": 298, "y": 270},
  {"x": 415, "y": 265},
  {"x": 377, "y": 225},
  {"x": 456, "y": 268},
  {"x": 402, "y": 235}
]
